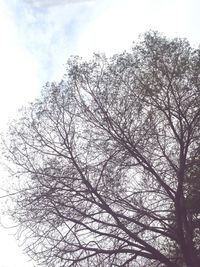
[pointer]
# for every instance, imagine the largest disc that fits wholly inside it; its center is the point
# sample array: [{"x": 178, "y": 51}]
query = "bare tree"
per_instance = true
[{"x": 105, "y": 159}]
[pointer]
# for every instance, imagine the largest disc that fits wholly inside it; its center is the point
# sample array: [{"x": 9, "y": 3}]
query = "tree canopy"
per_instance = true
[{"x": 108, "y": 160}]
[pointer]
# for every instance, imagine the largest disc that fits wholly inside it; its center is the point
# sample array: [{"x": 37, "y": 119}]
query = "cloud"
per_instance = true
[
  {"x": 49, "y": 3},
  {"x": 35, "y": 45},
  {"x": 49, "y": 33},
  {"x": 17, "y": 68}
]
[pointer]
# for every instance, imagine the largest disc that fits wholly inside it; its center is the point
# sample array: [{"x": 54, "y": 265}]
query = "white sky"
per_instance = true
[{"x": 37, "y": 37}]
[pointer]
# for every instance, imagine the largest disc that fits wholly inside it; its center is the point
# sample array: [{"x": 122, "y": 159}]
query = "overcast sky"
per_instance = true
[{"x": 37, "y": 37}]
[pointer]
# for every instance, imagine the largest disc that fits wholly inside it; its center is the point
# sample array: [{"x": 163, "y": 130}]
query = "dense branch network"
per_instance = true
[{"x": 110, "y": 155}]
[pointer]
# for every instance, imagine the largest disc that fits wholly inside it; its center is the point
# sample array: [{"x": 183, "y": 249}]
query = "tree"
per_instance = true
[
  {"x": 106, "y": 160},
  {"x": 192, "y": 187}
]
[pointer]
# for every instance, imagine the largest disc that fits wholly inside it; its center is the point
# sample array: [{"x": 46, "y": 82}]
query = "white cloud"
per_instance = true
[
  {"x": 34, "y": 46},
  {"x": 17, "y": 68},
  {"x": 48, "y": 3},
  {"x": 50, "y": 34}
]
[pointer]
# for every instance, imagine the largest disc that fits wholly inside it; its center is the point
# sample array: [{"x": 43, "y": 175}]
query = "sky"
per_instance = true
[{"x": 38, "y": 36}]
